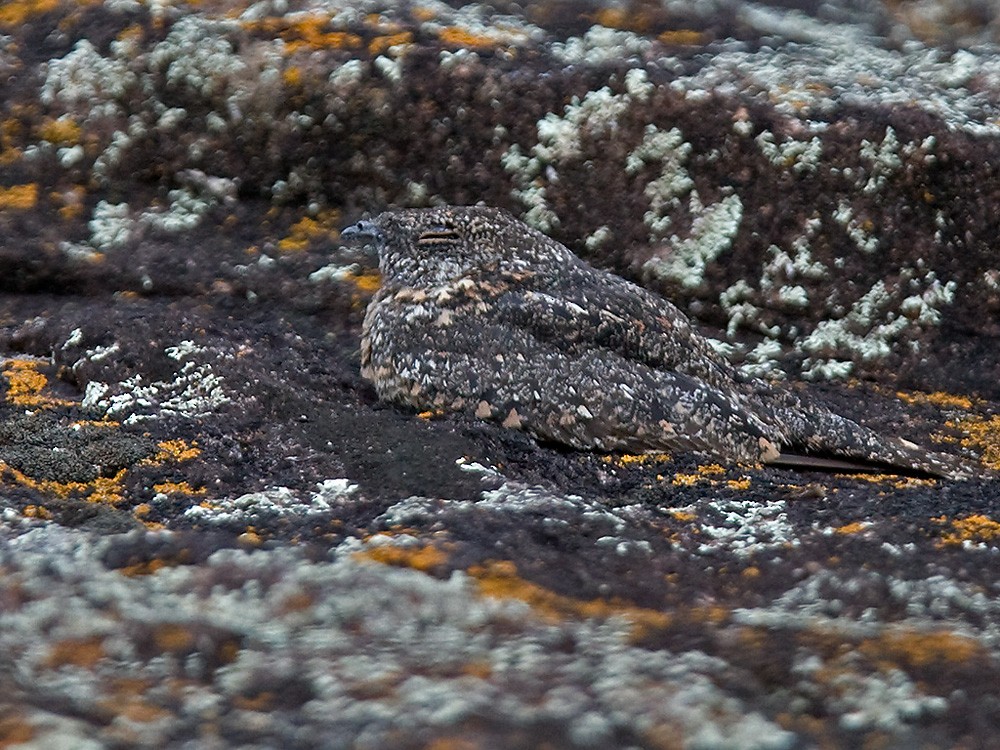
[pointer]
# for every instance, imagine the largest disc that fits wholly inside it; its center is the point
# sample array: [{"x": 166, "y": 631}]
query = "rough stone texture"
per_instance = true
[{"x": 211, "y": 534}]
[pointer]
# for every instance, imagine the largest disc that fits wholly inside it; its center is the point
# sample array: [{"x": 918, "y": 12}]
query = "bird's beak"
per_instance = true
[
  {"x": 364, "y": 240},
  {"x": 364, "y": 232}
]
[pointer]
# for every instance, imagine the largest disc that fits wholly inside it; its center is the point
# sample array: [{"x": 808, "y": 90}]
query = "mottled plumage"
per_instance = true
[{"x": 480, "y": 313}]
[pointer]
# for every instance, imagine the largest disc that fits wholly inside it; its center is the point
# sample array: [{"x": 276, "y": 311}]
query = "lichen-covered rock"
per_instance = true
[{"x": 210, "y": 531}]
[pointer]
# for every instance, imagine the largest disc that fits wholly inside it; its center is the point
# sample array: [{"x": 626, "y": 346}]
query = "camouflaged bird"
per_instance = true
[{"x": 479, "y": 313}]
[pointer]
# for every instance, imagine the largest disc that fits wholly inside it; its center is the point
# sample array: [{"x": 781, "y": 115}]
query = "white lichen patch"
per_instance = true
[
  {"x": 560, "y": 141},
  {"x": 196, "y": 391},
  {"x": 712, "y": 232},
  {"x": 874, "y": 323},
  {"x": 801, "y": 157},
  {"x": 860, "y": 232},
  {"x": 883, "y": 161},
  {"x": 261, "y": 508},
  {"x": 745, "y": 527},
  {"x": 668, "y": 149},
  {"x": 601, "y": 45}
]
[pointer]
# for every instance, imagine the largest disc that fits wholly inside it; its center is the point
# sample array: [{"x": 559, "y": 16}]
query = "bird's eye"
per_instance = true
[{"x": 440, "y": 234}]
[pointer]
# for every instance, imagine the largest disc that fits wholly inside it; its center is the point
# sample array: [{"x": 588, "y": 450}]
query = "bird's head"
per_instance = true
[{"x": 435, "y": 245}]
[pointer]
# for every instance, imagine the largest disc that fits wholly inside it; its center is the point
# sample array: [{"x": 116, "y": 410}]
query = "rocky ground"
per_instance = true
[{"x": 212, "y": 535}]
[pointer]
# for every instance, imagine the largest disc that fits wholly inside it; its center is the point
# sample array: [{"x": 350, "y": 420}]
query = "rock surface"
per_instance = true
[{"x": 212, "y": 534}]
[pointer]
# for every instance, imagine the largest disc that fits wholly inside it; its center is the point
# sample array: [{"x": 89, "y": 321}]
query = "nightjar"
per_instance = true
[{"x": 480, "y": 313}]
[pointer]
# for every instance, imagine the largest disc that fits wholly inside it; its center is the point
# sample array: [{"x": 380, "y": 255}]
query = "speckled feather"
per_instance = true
[{"x": 480, "y": 313}]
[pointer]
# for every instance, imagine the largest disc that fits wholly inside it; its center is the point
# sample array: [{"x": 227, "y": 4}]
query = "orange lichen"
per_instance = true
[
  {"x": 262, "y": 701},
  {"x": 367, "y": 281},
  {"x": 702, "y": 472},
  {"x": 629, "y": 459},
  {"x": 683, "y": 37},
  {"x": 145, "y": 568},
  {"x": 983, "y": 435},
  {"x": 175, "y": 450},
  {"x": 250, "y": 538},
  {"x": 16, "y": 12},
  {"x": 380, "y": 44},
  {"x": 303, "y": 232},
  {"x": 500, "y": 580},
  {"x": 15, "y": 730},
  {"x": 738, "y": 484},
  {"x": 25, "y": 385},
  {"x": 453, "y": 36},
  {"x": 63, "y": 132},
  {"x": 37, "y": 511},
  {"x": 292, "y": 76},
  {"x": 852, "y": 528},
  {"x": 76, "y": 652},
  {"x": 100, "y": 490},
  {"x": 70, "y": 202},
  {"x": 173, "y": 638},
  {"x": 632, "y": 19},
  {"x": 424, "y": 558},
  {"x": 18, "y": 197},
  {"x": 894, "y": 479},
  {"x": 306, "y": 33},
  {"x": 974, "y": 529},
  {"x": 183, "y": 488},
  {"x": 937, "y": 398},
  {"x": 683, "y": 515},
  {"x": 913, "y": 648}
]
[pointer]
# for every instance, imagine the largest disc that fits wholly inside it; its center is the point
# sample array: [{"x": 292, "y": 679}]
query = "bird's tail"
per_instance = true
[{"x": 814, "y": 437}]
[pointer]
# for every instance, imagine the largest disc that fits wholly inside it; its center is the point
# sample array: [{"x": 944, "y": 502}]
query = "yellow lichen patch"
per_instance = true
[
  {"x": 380, "y": 44},
  {"x": 26, "y": 385},
  {"x": 175, "y": 450},
  {"x": 37, "y": 511},
  {"x": 855, "y": 527},
  {"x": 937, "y": 398},
  {"x": 173, "y": 638},
  {"x": 307, "y": 229},
  {"x": 18, "y": 197},
  {"x": 15, "y": 730},
  {"x": 306, "y": 33},
  {"x": 633, "y": 19},
  {"x": 974, "y": 529},
  {"x": 145, "y": 568},
  {"x": 70, "y": 202},
  {"x": 983, "y": 435},
  {"x": 250, "y": 537},
  {"x": 422, "y": 14},
  {"x": 292, "y": 76},
  {"x": 367, "y": 282},
  {"x": 62, "y": 132},
  {"x": 16, "y": 12},
  {"x": 100, "y": 490},
  {"x": 914, "y": 648},
  {"x": 431, "y": 414},
  {"x": 684, "y": 37},
  {"x": 683, "y": 515},
  {"x": 500, "y": 580},
  {"x": 894, "y": 479},
  {"x": 636, "y": 459},
  {"x": 424, "y": 558},
  {"x": 453, "y": 36},
  {"x": 702, "y": 472},
  {"x": 183, "y": 488},
  {"x": 738, "y": 484},
  {"x": 76, "y": 652}
]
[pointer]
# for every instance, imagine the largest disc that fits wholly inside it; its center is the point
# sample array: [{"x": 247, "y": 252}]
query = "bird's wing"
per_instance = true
[
  {"x": 598, "y": 311},
  {"x": 591, "y": 310}
]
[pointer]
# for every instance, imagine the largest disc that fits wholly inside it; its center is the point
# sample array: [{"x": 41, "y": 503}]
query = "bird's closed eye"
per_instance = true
[{"x": 441, "y": 234}]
